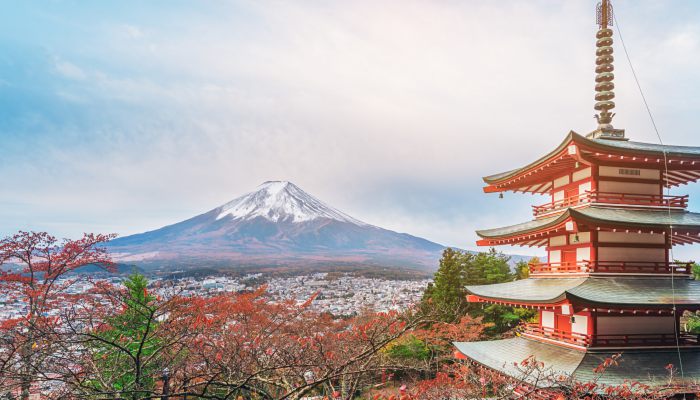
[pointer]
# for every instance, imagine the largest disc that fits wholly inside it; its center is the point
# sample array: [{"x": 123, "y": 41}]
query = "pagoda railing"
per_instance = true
[
  {"x": 611, "y": 267},
  {"x": 620, "y": 340},
  {"x": 556, "y": 334},
  {"x": 645, "y": 339},
  {"x": 622, "y": 199}
]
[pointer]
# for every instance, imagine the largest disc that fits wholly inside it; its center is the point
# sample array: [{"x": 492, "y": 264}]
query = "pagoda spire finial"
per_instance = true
[{"x": 604, "y": 75}]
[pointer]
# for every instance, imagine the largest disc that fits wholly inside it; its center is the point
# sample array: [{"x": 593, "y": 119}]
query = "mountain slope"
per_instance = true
[{"x": 277, "y": 224}]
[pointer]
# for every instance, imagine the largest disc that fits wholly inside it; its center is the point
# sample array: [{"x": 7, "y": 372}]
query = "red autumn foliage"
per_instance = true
[{"x": 34, "y": 264}]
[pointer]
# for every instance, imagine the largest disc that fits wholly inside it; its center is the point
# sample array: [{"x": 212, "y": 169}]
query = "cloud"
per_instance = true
[
  {"x": 131, "y": 31},
  {"x": 69, "y": 70},
  {"x": 389, "y": 111}
]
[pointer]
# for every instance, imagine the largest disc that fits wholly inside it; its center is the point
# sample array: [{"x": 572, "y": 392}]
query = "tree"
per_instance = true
[
  {"x": 34, "y": 274},
  {"x": 522, "y": 268},
  {"x": 488, "y": 267},
  {"x": 447, "y": 293},
  {"x": 124, "y": 347}
]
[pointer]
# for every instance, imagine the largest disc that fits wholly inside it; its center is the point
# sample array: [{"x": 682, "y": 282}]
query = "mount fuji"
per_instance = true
[{"x": 277, "y": 225}]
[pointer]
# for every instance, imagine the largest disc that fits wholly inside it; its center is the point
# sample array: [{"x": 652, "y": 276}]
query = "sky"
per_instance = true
[{"x": 127, "y": 116}]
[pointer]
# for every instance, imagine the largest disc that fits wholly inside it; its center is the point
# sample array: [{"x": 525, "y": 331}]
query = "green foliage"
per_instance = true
[
  {"x": 459, "y": 269},
  {"x": 409, "y": 348},
  {"x": 693, "y": 324},
  {"x": 447, "y": 294},
  {"x": 125, "y": 348},
  {"x": 486, "y": 268},
  {"x": 696, "y": 271},
  {"x": 505, "y": 318},
  {"x": 522, "y": 270}
]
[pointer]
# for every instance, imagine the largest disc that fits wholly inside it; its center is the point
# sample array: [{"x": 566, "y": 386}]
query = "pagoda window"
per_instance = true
[
  {"x": 581, "y": 174},
  {"x": 584, "y": 187},
  {"x": 638, "y": 324},
  {"x": 637, "y": 173},
  {"x": 558, "y": 196},
  {"x": 583, "y": 254},
  {"x": 581, "y": 237},
  {"x": 559, "y": 182},
  {"x": 555, "y": 256},
  {"x": 631, "y": 254},
  {"x": 557, "y": 241},
  {"x": 631, "y": 237},
  {"x": 547, "y": 319},
  {"x": 630, "y": 187},
  {"x": 580, "y": 324}
]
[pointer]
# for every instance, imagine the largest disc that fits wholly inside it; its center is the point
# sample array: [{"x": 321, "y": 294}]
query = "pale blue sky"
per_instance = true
[{"x": 127, "y": 116}]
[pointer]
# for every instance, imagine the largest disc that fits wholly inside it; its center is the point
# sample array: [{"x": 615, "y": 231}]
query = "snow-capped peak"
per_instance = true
[{"x": 281, "y": 201}]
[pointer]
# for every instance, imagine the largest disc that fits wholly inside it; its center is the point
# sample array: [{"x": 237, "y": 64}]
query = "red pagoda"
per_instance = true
[{"x": 609, "y": 285}]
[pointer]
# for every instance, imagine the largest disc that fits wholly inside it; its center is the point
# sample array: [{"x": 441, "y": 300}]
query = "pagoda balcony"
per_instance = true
[
  {"x": 613, "y": 267},
  {"x": 609, "y": 198},
  {"x": 643, "y": 339},
  {"x": 537, "y": 332}
]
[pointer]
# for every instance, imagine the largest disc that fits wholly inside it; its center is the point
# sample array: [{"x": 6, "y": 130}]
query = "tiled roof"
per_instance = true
[
  {"x": 604, "y": 145},
  {"x": 600, "y": 291},
  {"x": 644, "y": 366},
  {"x": 637, "y": 291},
  {"x": 524, "y": 227},
  {"x": 603, "y": 215},
  {"x": 530, "y": 290},
  {"x": 649, "y": 148},
  {"x": 502, "y": 355},
  {"x": 641, "y": 217}
]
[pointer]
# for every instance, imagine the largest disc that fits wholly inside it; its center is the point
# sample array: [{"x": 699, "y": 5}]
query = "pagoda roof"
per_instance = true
[
  {"x": 681, "y": 221},
  {"x": 537, "y": 175},
  {"x": 531, "y": 290},
  {"x": 595, "y": 291},
  {"x": 644, "y": 366},
  {"x": 654, "y": 149}
]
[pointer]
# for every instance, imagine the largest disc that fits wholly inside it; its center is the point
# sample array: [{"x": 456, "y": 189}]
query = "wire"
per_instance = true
[{"x": 676, "y": 326}]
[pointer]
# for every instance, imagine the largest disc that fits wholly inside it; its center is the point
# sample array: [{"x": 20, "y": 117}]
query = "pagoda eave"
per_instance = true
[
  {"x": 683, "y": 227},
  {"x": 609, "y": 293},
  {"x": 681, "y": 164},
  {"x": 644, "y": 366}
]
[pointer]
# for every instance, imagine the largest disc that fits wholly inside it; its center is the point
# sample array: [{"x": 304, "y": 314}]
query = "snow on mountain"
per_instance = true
[
  {"x": 278, "y": 224},
  {"x": 281, "y": 201}
]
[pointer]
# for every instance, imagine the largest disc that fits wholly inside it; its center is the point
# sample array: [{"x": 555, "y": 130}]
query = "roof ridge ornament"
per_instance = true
[{"x": 604, "y": 75}]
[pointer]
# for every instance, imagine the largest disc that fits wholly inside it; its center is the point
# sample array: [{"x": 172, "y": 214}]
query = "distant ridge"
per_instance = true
[{"x": 278, "y": 224}]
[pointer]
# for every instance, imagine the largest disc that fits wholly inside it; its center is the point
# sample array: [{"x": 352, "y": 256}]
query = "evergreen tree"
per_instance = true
[
  {"x": 447, "y": 295},
  {"x": 124, "y": 349}
]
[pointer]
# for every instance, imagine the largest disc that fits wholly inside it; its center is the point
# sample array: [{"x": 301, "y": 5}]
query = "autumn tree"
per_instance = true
[{"x": 34, "y": 270}]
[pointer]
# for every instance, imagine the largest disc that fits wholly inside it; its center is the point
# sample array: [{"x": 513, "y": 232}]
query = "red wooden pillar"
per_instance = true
[{"x": 593, "y": 327}]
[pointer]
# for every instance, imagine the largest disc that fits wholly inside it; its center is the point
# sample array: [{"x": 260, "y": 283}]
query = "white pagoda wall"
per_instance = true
[
  {"x": 606, "y": 325},
  {"x": 626, "y": 186},
  {"x": 631, "y": 254},
  {"x": 629, "y": 187},
  {"x": 631, "y": 237},
  {"x": 612, "y": 253}
]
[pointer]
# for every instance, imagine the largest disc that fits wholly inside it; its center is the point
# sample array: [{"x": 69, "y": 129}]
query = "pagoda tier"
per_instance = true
[
  {"x": 597, "y": 311},
  {"x": 671, "y": 165},
  {"x": 643, "y": 366}
]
